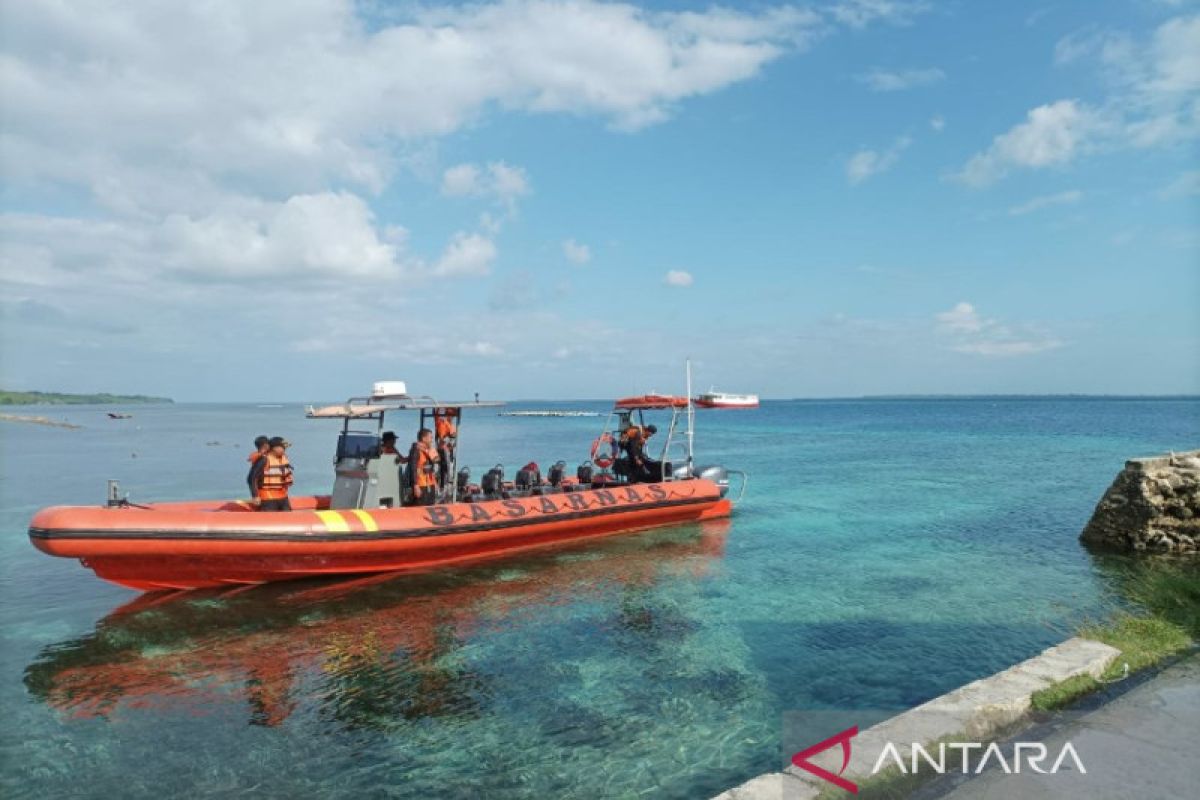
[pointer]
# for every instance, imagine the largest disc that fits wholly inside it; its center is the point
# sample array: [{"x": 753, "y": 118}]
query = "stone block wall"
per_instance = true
[{"x": 1154, "y": 504}]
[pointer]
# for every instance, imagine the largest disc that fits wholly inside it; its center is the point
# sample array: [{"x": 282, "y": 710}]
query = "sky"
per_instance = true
[{"x": 292, "y": 199}]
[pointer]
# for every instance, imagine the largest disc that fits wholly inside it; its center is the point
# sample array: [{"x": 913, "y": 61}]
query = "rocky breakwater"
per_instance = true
[{"x": 1154, "y": 504}]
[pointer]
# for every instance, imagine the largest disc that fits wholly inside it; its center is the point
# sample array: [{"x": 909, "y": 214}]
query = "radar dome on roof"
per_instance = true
[{"x": 389, "y": 389}]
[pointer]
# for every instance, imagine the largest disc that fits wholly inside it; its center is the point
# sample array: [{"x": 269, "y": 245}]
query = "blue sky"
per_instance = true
[{"x": 565, "y": 199}]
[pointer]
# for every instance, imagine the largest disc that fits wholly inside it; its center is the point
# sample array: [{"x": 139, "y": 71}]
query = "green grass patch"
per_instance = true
[
  {"x": 1143, "y": 641},
  {"x": 1063, "y": 692},
  {"x": 1169, "y": 591}
]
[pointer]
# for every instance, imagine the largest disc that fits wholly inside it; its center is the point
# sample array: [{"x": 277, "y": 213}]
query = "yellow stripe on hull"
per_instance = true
[
  {"x": 366, "y": 519},
  {"x": 334, "y": 522}
]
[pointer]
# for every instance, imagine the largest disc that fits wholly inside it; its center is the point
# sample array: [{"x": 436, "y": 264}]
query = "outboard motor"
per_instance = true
[
  {"x": 682, "y": 472},
  {"x": 463, "y": 481},
  {"x": 584, "y": 472},
  {"x": 528, "y": 477},
  {"x": 493, "y": 481},
  {"x": 717, "y": 474},
  {"x": 556, "y": 473}
]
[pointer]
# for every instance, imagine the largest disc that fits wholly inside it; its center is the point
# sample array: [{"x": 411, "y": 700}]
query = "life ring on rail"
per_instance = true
[{"x": 604, "y": 458}]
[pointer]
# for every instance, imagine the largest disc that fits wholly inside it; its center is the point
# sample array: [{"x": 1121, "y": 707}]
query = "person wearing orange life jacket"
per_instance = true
[
  {"x": 261, "y": 447},
  {"x": 643, "y": 469},
  {"x": 424, "y": 464},
  {"x": 271, "y": 477},
  {"x": 446, "y": 430}
]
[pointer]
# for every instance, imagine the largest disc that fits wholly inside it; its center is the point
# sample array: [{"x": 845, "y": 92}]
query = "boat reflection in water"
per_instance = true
[{"x": 370, "y": 652}]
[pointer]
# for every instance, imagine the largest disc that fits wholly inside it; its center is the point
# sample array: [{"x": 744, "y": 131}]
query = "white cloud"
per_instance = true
[
  {"x": 937, "y": 123},
  {"x": 963, "y": 318},
  {"x": 865, "y": 163},
  {"x": 883, "y": 81},
  {"x": 575, "y": 252},
  {"x": 859, "y": 13},
  {"x": 1187, "y": 184},
  {"x": 147, "y": 111},
  {"x": 311, "y": 236},
  {"x": 1153, "y": 100},
  {"x": 1043, "y": 201},
  {"x": 677, "y": 277},
  {"x": 468, "y": 254},
  {"x": 498, "y": 181},
  {"x": 969, "y": 332},
  {"x": 1008, "y": 348},
  {"x": 461, "y": 180},
  {"x": 1052, "y": 134}
]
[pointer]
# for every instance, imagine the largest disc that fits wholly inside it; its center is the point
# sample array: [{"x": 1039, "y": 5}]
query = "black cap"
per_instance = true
[
  {"x": 651, "y": 429},
  {"x": 278, "y": 441},
  {"x": 259, "y": 441},
  {"x": 389, "y": 436}
]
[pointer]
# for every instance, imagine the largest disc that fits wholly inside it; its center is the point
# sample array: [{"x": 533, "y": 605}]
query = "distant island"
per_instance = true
[{"x": 9, "y": 398}]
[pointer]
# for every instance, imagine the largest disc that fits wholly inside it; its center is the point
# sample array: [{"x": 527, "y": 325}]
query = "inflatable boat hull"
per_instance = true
[{"x": 197, "y": 545}]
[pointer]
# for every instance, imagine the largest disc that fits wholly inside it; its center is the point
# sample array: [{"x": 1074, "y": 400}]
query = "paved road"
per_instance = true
[{"x": 1140, "y": 745}]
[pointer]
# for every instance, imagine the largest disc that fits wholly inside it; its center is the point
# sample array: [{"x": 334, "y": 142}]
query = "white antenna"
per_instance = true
[{"x": 690, "y": 415}]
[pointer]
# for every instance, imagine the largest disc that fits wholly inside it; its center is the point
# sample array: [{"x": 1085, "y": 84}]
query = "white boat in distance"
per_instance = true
[{"x": 712, "y": 399}]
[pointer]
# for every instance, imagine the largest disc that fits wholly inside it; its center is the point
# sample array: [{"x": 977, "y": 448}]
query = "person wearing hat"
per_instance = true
[
  {"x": 271, "y": 477},
  {"x": 388, "y": 448},
  {"x": 260, "y": 449}
]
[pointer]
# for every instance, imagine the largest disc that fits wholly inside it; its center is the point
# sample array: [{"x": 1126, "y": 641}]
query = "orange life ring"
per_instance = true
[{"x": 600, "y": 459}]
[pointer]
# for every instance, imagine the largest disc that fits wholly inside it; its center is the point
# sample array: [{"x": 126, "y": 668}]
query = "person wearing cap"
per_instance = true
[
  {"x": 271, "y": 477},
  {"x": 388, "y": 448},
  {"x": 260, "y": 449}
]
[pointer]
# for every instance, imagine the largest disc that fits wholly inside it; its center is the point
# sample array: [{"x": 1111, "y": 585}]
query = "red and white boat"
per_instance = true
[{"x": 714, "y": 399}]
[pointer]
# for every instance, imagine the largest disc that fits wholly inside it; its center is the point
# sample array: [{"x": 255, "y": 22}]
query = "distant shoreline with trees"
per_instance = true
[{"x": 11, "y": 398}]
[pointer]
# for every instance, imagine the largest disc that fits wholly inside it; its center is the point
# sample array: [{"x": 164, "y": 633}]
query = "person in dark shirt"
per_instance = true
[
  {"x": 261, "y": 447},
  {"x": 643, "y": 469}
]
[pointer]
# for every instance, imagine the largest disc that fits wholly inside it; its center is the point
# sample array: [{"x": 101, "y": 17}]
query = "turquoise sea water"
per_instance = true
[{"x": 886, "y": 552}]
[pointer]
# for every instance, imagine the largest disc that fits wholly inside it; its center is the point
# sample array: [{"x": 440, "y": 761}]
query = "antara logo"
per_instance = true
[
  {"x": 843, "y": 738},
  {"x": 1031, "y": 754}
]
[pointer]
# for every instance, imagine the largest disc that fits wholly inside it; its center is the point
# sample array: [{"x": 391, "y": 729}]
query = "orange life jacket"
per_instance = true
[
  {"x": 276, "y": 478},
  {"x": 445, "y": 428},
  {"x": 426, "y": 468},
  {"x": 255, "y": 456}
]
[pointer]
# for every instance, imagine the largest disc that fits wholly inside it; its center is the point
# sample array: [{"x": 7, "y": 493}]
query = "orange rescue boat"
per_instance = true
[{"x": 366, "y": 524}]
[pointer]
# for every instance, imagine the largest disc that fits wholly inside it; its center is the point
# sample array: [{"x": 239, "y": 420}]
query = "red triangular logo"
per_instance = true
[{"x": 801, "y": 759}]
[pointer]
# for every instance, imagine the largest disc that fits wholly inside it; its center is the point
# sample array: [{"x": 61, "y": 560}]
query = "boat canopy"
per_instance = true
[
  {"x": 366, "y": 407},
  {"x": 651, "y": 401}
]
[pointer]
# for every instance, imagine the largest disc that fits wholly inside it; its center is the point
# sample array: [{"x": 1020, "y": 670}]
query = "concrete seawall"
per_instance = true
[{"x": 970, "y": 713}]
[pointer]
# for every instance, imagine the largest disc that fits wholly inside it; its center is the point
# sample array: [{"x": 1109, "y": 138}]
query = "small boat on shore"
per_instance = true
[
  {"x": 714, "y": 399},
  {"x": 368, "y": 524}
]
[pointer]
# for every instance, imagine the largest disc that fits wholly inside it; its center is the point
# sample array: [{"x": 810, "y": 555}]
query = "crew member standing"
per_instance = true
[
  {"x": 388, "y": 448},
  {"x": 445, "y": 426},
  {"x": 261, "y": 447},
  {"x": 271, "y": 477},
  {"x": 424, "y": 464}
]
